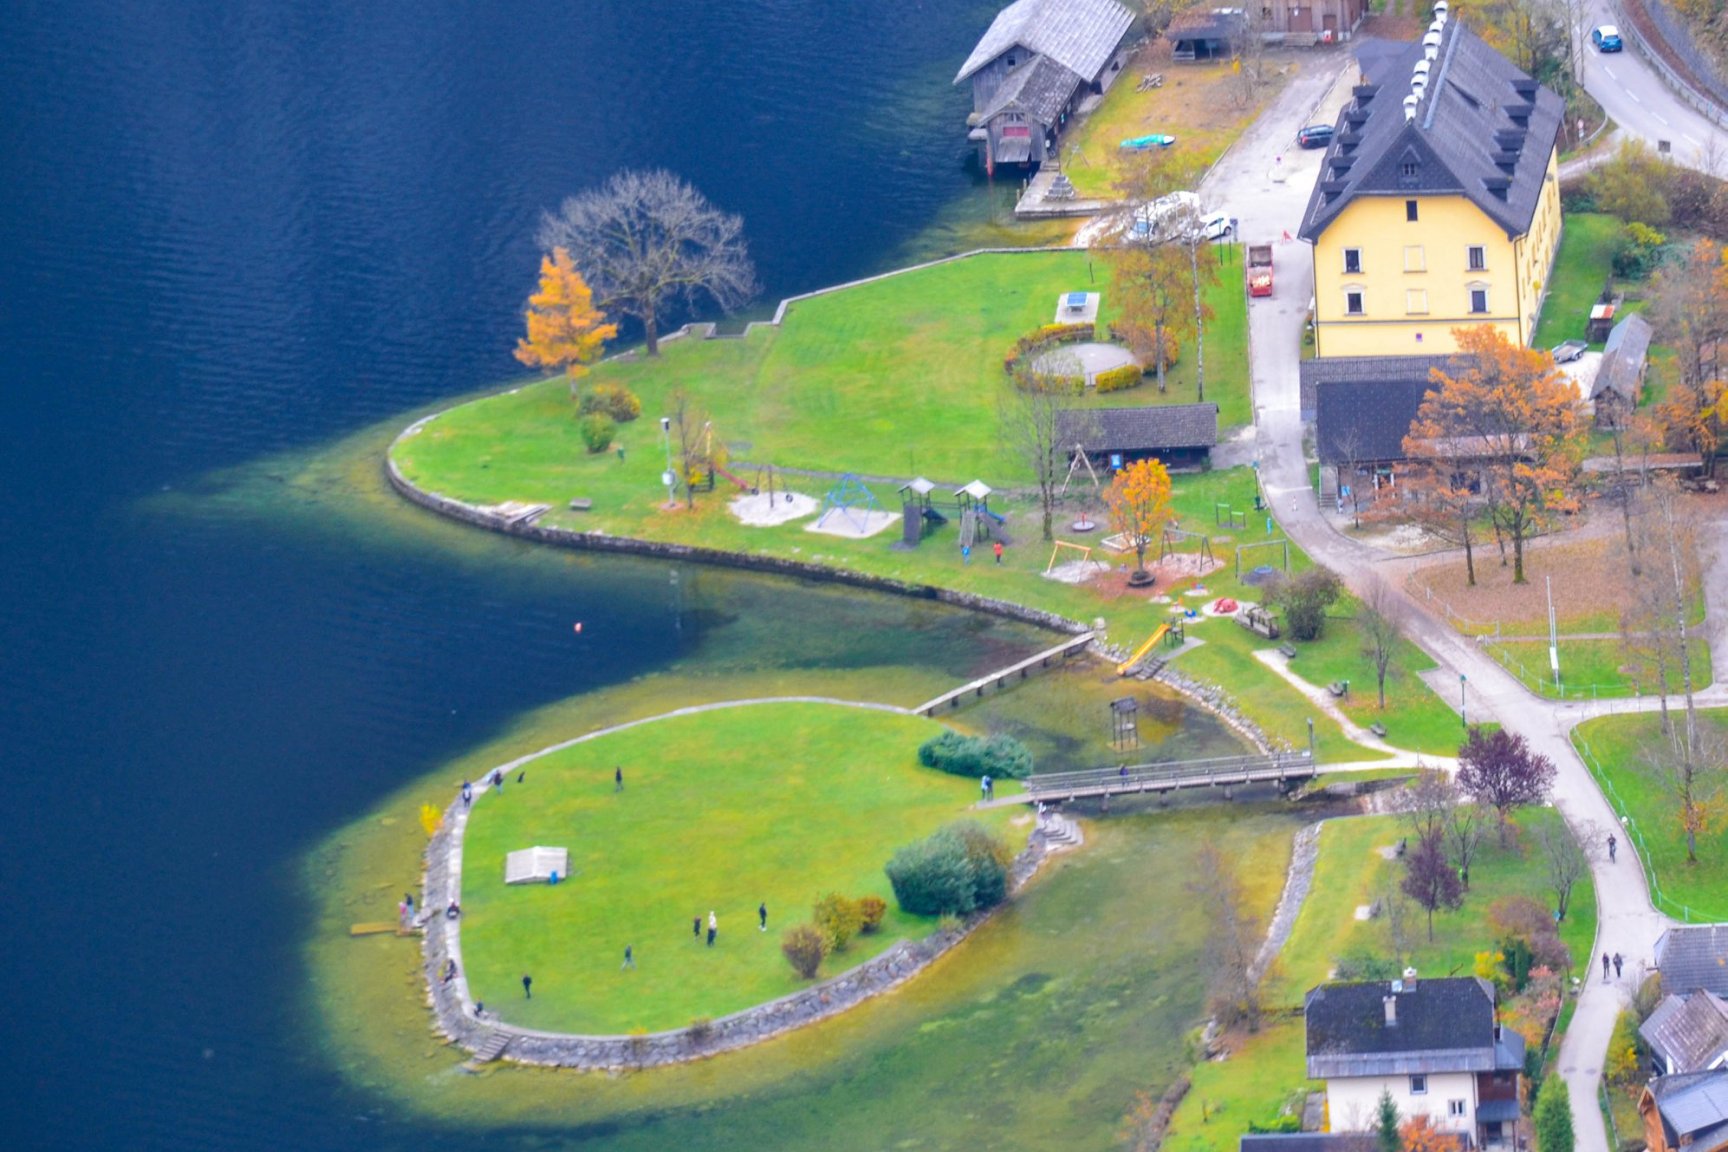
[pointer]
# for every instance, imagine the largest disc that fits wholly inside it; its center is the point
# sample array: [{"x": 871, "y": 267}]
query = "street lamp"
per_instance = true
[
  {"x": 668, "y": 477},
  {"x": 1463, "y": 715}
]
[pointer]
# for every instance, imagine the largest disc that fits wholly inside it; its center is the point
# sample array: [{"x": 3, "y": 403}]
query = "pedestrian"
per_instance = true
[
  {"x": 1605, "y": 963},
  {"x": 696, "y": 927},
  {"x": 984, "y": 788},
  {"x": 528, "y": 986},
  {"x": 713, "y": 927},
  {"x": 479, "y": 1009},
  {"x": 408, "y": 899},
  {"x": 1612, "y": 845},
  {"x": 965, "y": 553},
  {"x": 629, "y": 959},
  {"x": 522, "y": 775},
  {"x": 1618, "y": 960},
  {"x": 467, "y": 793},
  {"x": 997, "y": 547},
  {"x": 762, "y": 915},
  {"x": 498, "y": 779},
  {"x": 402, "y": 914},
  {"x": 618, "y": 778},
  {"x": 449, "y": 971},
  {"x": 1122, "y": 772}
]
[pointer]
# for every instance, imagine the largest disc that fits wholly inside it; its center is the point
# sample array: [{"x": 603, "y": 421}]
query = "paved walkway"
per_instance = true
[{"x": 1626, "y": 921}]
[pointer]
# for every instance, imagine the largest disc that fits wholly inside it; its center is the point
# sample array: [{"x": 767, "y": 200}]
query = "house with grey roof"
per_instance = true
[
  {"x": 1694, "y": 956},
  {"x": 1435, "y": 1045},
  {"x": 1620, "y": 378},
  {"x": 1437, "y": 204},
  {"x": 1180, "y": 435},
  {"x": 1037, "y": 63},
  {"x": 1687, "y": 1033},
  {"x": 1688, "y": 1111}
]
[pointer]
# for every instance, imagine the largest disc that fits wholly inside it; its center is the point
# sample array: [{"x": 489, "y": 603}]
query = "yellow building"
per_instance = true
[{"x": 1438, "y": 205}]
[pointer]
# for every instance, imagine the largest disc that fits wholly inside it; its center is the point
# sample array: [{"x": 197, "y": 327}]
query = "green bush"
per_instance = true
[
  {"x": 1303, "y": 600},
  {"x": 615, "y": 400},
  {"x": 1553, "y": 1116},
  {"x": 804, "y": 949},
  {"x": 871, "y": 909},
  {"x": 999, "y": 757},
  {"x": 597, "y": 430},
  {"x": 839, "y": 919},
  {"x": 959, "y": 869},
  {"x": 1119, "y": 379},
  {"x": 1287, "y": 1123}
]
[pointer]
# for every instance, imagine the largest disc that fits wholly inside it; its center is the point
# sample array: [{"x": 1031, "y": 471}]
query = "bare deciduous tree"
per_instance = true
[
  {"x": 1379, "y": 632},
  {"x": 1564, "y": 861},
  {"x": 1426, "y": 804},
  {"x": 644, "y": 240},
  {"x": 1029, "y": 412},
  {"x": 1464, "y": 825},
  {"x": 1232, "y": 941}
]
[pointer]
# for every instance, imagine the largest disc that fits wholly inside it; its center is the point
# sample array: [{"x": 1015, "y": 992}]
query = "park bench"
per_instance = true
[
  {"x": 1378, "y": 729},
  {"x": 1339, "y": 688},
  {"x": 1288, "y": 651},
  {"x": 581, "y": 504}
]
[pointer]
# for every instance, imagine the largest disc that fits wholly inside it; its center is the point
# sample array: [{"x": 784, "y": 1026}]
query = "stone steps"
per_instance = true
[
  {"x": 491, "y": 1048},
  {"x": 1060, "y": 832}
]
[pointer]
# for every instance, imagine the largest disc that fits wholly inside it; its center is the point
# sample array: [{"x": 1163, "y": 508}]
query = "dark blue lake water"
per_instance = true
[{"x": 234, "y": 229}]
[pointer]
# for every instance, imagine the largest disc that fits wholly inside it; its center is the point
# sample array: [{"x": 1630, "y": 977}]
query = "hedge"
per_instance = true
[
  {"x": 1119, "y": 379},
  {"x": 959, "y": 869},
  {"x": 1000, "y": 757}
]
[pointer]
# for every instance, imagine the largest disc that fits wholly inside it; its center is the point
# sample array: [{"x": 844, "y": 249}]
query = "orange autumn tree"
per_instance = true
[
  {"x": 1418, "y": 1134},
  {"x": 565, "y": 329},
  {"x": 1139, "y": 503},
  {"x": 1511, "y": 420}
]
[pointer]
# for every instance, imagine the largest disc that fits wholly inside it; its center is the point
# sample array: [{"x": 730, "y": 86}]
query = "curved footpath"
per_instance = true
[
  {"x": 1626, "y": 921},
  {"x": 488, "y": 1038}
]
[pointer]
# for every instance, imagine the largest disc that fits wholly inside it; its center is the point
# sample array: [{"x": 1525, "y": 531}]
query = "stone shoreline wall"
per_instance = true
[{"x": 454, "y": 1011}]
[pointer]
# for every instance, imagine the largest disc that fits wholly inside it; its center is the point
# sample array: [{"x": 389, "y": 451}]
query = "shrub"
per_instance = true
[
  {"x": 1625, "y": 1052},
  {"x": 838, "y": 918},
  {"x": 1043, "y": 338},
  {"x": 999, "y": 757},
  {"x": 1303, "y": 599},
  {"x": 1553, "y": 1116},
  {"x": 1119, "y": 379},
  {"x": 1524, "y": 919},
  {"x": 1637, "y": 251},
  {"x": 1365, "y": 965},
  {"x": 1289, "y": 1122},
  {"x": 597, "y": 430},
  {"x": 615, "y": 400},
  {"x": 804, "y": 948},
  {"x": 871, "y": 909},
  {"x": 958, "y": 869}
]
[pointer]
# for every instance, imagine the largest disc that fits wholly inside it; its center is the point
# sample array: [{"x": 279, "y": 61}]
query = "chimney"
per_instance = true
[
  {"x": 1391, "y": 1005},
  {"x": 1409, "y": 979}
]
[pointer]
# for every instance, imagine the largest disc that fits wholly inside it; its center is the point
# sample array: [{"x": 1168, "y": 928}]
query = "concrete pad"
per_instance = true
[
  {"x": 855, "y": 523},
  {"x": 1087, "y": 313},
  {"x": 761, "y": 511}
]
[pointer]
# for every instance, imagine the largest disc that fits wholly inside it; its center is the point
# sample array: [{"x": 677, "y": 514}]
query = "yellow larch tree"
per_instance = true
[
  {"x": 565, "y": 329},
  {"x": 1139, "y": 503}
]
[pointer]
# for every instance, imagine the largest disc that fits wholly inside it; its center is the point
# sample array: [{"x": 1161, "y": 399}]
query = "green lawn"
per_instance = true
[
  {"x": 1614, "y": 747},
  {"x": 1585, "y": 261},
  {"x": 778, "y": 803},
  {"x": 1589, "y": 669}
]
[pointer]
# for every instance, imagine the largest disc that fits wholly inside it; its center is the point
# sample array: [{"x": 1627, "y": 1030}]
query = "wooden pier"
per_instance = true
[
  {"x": 1220, "y": 772},
  {"x": 1001, "y": 678}
]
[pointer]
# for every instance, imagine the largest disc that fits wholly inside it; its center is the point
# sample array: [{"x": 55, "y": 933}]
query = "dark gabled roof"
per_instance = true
[
  {"x": 1442, "y": 1025},
  {"x": 1080, "y": 35},
  {"x": 1694, "y": 956},
  {"x": 1308, "y": 1142},
  {"x": 1138, "y": 429},
  {"x": 1691, "y": 1031},
  {"x": 1482, "y": 129},
  {"x": 1694, "y": 1105},
  {"x": 1623, "y": 359},
  {"x": 1038, "y": 87},
  {"x": 1205, "y": 24},
  {"x": 1371, "y": 400}
]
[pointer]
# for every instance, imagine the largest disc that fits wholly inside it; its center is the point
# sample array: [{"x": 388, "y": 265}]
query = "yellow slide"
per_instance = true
[{"x": 1122, "y": 669}]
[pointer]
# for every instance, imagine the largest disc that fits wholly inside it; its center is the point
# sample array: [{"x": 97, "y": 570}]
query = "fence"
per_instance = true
[
  {"x": 1463, "y": 623},
  {"x": 1629, "y": 826},
  {"x": 1542, "y": 684}
]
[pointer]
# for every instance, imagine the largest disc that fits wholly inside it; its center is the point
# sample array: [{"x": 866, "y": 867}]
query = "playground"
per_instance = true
[{"x": 777, "y": 803}]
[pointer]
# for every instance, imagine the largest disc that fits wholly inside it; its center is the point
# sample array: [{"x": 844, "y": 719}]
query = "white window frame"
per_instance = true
[
  {"x": 1361, "y": 295},
  {"x": 1415, "y": 258},
  {"x": 1472, "y": 289},
  {"x": 1416, "y": 301},
  {"x": 1349, "y": 271},
  {"x": 1419, "y": 1084},
  {"x": 1471, "y": 263}
]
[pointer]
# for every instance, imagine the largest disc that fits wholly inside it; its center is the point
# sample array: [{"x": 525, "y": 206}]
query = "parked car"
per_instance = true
[
  {"x": 1215, "y": 225},
  {"x": 1568, "y": 350},
  {"x": 1160, "y": 218},
  {"x": 1606, "y": 37},
  {"x": 1315, "y": 136}
]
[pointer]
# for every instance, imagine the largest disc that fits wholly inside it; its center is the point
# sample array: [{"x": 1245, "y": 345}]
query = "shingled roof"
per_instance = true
[
  {"x": 1694, "y": 1108},
  {"x": 1370, "y": 400},
  {"x": 1080, "y": 35},
  {"x": 1038, "y": 87},
  {"x": 1443, "y": 1025},
  {"x": 1623, "y": 357},
  {"x": 1689, "y": 1031},
  {"x": 1694, "y": 956},
  {"x": 1481, "y": 129},
  {"x": 1139, "y": 429}
]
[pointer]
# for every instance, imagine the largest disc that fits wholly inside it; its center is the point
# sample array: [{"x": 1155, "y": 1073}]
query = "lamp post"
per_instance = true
[
  {"x": 1463, "y": 715},
  {"x": 1310, "y": 740},
  {"x": 668, "y": 477}
]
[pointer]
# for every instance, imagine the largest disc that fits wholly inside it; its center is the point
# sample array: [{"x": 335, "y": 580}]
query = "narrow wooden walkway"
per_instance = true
[
  {"x": 1220, "y": 772},
  {"x": 1001, "y": 677}
]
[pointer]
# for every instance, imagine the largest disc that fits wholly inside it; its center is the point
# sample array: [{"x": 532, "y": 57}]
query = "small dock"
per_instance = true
[
  {"x": 1049, "y": 196},
  {"x": 1003, "y": 677},
  {"x": 1219, "y": 772}
]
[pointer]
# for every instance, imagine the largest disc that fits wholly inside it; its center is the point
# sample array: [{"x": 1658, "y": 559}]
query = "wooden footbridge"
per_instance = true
[
  {"x": 1003, "y": 677},
  {"x": 1219, "y": 772}
]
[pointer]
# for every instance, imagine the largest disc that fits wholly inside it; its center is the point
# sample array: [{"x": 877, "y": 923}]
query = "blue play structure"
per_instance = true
[{"x": 853, "y": 501}]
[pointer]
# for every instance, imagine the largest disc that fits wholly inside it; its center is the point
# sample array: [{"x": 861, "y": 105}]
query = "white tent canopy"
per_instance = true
[{"x": 536, "y": 865}]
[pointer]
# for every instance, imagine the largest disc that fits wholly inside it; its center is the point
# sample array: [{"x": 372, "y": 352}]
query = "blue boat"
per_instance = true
[{"x": 1142, "y": 143}]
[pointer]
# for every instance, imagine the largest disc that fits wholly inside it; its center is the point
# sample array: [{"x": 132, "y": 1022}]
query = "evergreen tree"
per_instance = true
[
  {"x": 1553, "y": 1116},
  {"x": 1386, "y": 1134}
]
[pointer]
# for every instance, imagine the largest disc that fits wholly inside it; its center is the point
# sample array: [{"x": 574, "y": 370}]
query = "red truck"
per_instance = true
[{"x": 1259, "y": 269}]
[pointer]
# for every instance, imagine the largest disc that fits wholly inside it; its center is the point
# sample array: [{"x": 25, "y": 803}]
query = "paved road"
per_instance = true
[
  {"x": 1636, "y": 98},
  {"x": 1269, "y": 207}
]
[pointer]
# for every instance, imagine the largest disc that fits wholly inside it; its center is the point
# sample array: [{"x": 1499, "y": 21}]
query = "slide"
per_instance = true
[
  {"x": 1000, "y": 519},
  {"x": 1122, "y": 669},
  {"x": 742, "y": 486}
]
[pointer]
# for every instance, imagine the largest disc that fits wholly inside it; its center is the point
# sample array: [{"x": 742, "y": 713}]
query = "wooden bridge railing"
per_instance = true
[{"x": 1163, "y": 777}]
